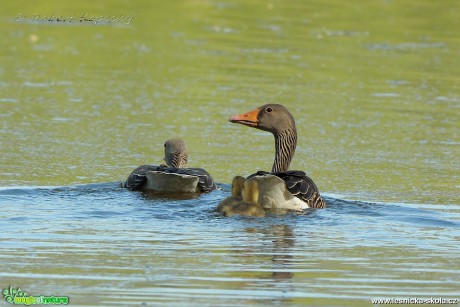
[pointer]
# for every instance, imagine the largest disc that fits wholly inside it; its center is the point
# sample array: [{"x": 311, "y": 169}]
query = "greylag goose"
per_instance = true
[
  {"x": 281, "y": 188},
  {"x": 243, "y": 201},
  {"x": 172, "y": 177}
]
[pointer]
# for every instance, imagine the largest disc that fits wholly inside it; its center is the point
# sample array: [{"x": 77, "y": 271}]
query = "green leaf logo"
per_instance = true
[{"x": 8, "y": 295}]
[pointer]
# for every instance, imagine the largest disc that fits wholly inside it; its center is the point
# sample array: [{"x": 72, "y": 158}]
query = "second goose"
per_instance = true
[{"x": 172, "y": 177}]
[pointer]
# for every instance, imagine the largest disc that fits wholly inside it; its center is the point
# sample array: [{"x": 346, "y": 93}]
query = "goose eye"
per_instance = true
[{"x": 268, "y": 109}]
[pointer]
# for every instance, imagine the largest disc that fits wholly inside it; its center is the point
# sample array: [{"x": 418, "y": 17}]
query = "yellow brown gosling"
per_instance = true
[
  {"x": 247, "y": 205},
  {"x": 236, "y": 197}
]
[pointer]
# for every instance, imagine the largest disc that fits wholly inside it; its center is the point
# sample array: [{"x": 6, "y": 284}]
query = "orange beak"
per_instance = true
[{"x": 248, "y": 119}]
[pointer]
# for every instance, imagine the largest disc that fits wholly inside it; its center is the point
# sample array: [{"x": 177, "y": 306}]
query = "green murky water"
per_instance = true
[{"x": 374, "y": 88}]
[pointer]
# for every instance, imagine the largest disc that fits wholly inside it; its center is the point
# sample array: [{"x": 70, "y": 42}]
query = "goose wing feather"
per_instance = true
[
  {"x": 137, "y": 178},
  {"x": 299, "y": 185},
  {"x": 205, "y": 181}
]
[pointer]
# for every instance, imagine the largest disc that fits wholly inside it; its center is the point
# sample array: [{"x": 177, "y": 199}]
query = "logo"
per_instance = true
[{"x": 18, "y": 297}]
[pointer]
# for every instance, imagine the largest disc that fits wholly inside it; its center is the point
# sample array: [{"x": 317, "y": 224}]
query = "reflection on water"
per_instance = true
[
  {"x": 128, "y": 248},
  {"x": 169, "y": 195}
]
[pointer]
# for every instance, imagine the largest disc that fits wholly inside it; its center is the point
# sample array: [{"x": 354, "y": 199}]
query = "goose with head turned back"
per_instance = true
[
  {"x": 281, "y": 188},
  {"x": 172, "y": 177}
]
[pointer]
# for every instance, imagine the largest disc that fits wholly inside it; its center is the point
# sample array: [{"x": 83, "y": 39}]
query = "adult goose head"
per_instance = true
[
  {"x": 172, "y": 177},
  {"x": 302, "y": 191},
  {"x": 274, "y": 118}
]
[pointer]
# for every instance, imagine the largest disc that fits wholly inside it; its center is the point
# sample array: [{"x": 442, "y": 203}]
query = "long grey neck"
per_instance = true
[{"x": 285, "y": 143}]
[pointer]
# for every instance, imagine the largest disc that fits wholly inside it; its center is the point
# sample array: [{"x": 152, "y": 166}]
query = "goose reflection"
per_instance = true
[{"x": 282, "y": 241}]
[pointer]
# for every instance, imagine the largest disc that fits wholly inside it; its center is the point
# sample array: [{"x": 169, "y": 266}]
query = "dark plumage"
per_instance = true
[
  {"x": 138, "y": 178},
  {"x": 176, "y": 160}
]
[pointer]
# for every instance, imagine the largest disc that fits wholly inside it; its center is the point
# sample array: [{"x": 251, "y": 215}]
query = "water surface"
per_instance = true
[
  {"x": 100, "y": 244},
  {"x": 374, "y": 89}
]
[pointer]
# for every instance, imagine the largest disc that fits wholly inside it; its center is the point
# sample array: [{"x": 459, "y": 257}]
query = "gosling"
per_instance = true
[{"x": 243, "y": 201}]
